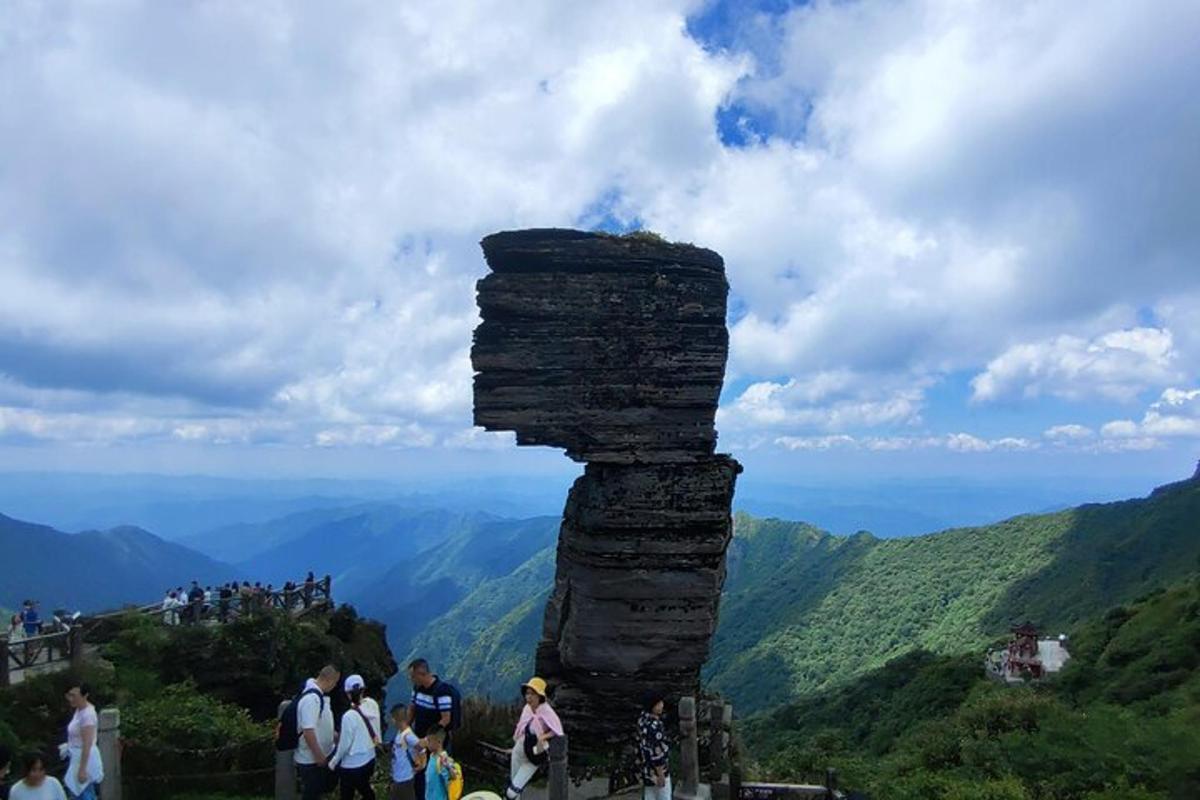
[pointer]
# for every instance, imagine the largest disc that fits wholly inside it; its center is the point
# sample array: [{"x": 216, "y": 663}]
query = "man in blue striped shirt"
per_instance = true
[{"x": 432, "y": 704}]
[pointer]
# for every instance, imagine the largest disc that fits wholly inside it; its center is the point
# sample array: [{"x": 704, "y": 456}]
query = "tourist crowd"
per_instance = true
[
  {"x": 341, "y": 754},
  {"x": 232, "y": 599}
]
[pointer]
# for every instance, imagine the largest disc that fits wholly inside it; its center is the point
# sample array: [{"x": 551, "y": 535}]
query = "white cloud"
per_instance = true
[
  {"x": 1176, "y": 414},
  {"x": 956, "y": 183},
  {"x": 1069, "y": 433},
  {"x": 230, "y": 223},
  {"x": 955, "y": 442},
  {"x": 224, "y": 212},
  {"x": 1118, "y": 365},
  {"x": 827, "y": 401}
]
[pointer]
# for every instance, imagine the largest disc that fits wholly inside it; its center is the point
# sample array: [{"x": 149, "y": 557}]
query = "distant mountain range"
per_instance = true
[
  {"x": 95, "y": 570},
  {"x": 805, "y": 610}
]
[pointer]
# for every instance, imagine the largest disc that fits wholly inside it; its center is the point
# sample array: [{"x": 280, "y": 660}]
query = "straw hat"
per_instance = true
[{"x": 537, "y": 684}]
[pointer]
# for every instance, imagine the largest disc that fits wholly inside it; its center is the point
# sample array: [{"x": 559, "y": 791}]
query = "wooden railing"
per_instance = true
[
  {"x": 64, "y": 649},
  {"x": 36, "y": 652}
]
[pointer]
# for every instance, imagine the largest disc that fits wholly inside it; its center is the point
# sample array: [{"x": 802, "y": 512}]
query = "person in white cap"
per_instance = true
[
  {"x": 354, "y": 759},
  {"x": 368, "y": 706},
  {"x": 531, "y": 739}
]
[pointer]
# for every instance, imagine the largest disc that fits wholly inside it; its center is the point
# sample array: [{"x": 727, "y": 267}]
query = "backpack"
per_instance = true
[
  {"x": 454, "y": 786},
  {"x": 287, "y": 732},
  {"x": 529, "y": 745}
]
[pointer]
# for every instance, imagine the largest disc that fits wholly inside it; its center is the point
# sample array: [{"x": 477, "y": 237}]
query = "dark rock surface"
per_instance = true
[
  {"x": 614, "y": 348},
  {"x": 611, "y": 348}
]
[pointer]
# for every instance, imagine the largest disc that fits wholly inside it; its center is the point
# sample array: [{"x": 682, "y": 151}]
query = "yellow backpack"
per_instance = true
[{"x": 454, "y": 787}]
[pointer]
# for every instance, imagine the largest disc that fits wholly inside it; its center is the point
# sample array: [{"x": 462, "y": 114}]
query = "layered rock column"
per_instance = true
[{"x": 614, "y": 348}]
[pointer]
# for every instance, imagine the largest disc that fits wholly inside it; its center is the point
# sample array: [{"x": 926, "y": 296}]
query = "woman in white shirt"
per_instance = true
[
  {"x": 354, "y": 759},
  {"x": 85, "y": 769},
  {"x": 36, "y": 785}
]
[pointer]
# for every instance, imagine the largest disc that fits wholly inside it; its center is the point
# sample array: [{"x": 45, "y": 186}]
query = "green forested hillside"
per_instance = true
[
  {"x": 805, "y": 611},
  {"x": 479, "y": 639},
  {"x": 839, "y": 607},
  {"x": 1121, "y": 721}
]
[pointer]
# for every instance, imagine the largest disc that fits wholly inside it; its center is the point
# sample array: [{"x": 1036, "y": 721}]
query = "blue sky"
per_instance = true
[{"x": 961, "y": 237}]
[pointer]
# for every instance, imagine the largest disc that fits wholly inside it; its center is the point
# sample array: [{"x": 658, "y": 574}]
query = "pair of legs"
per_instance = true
[
  {"x": 520, "y": 772},
  {"x": 657, "y": 792},
  {"x": 315, "y": 781},
  {"x": 357, "y": 780},
  {"x": 402, "y": 791}
]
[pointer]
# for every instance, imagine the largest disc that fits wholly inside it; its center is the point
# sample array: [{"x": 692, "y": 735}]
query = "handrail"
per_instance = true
[{"x": 22, "y": 654}]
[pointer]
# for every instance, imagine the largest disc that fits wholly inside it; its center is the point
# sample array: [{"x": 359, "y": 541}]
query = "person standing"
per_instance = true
[
  {"x": 355, "y": 756},
  {"x": 440, "y": 771},
  {"x": 310, "y": 585},
  {"x": 653, "y": 748},
  {"x": 30, "y": 619},
  {"x": 245, "y": 599},
  {"x": 434, "y": 702},
  {"x": 314, "y": 722},
  {"x": 408, "y": 758},
  {"x": 84, "y": 769},
  {"x": 537, "y": 725},
  {"x": 195, "y": 602},
  {"x": 224, "y": 595},
  {"x": 36, "y": 784}
]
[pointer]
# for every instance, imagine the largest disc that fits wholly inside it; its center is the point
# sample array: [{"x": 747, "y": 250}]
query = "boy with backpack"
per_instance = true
[
  {"x": 443, "y": 777},
  {"x": 408, "y": 758}
]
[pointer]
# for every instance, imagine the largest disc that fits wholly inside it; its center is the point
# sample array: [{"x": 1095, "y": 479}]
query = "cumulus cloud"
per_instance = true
[
  {"x": 1069, "y": 433},
  {"x": 250, "y": 223},
  {"x": 1176, "y": 414},
  {"x": 273, "y": 211},
  {"x": 954, "y": 442},
  {"x": 830, "y": 401},
  {"x": 1118, "y": 365},
  {"x": 941, "y": 182}
]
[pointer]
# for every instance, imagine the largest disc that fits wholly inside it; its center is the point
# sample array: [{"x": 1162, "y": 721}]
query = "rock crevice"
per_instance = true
[{"x": 614, "y": 349}]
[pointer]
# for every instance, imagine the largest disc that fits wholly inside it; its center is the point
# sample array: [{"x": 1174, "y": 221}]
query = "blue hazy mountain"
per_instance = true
[
  {"x": 95, "y": 569},
  {"x": 182, "y": 507}
]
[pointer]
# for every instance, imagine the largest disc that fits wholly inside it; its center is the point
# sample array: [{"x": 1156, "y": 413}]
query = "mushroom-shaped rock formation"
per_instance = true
[{"x": 614, "y": 348}]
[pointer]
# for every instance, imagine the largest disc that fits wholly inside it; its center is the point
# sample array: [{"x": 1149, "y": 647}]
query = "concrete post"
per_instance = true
[
  {"x": 559, "y": 775},
  {"x": 831, "y": 783},
  {"x": 285, "y": 767},
  {"x": 721, "y": 722},
  {"x": 108, "y": 743},
  {"x": 689, "y": 749}
]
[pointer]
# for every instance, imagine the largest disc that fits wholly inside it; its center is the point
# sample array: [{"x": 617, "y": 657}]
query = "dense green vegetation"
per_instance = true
[
  {"x": 803, "y": 611},
  {"x": 480, "y": 638},
  {"x": 198, "y": 700},
  {"x": 1121, "y": 721}
]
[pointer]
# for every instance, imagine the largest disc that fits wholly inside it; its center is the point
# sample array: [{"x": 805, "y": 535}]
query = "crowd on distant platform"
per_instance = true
[
  {"x": 342, "y": 756},
  {"x": 231, "y": 599}
]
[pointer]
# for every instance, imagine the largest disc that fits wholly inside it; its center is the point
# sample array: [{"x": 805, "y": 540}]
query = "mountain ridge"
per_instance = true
[{"x": 134, "y": 565}]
